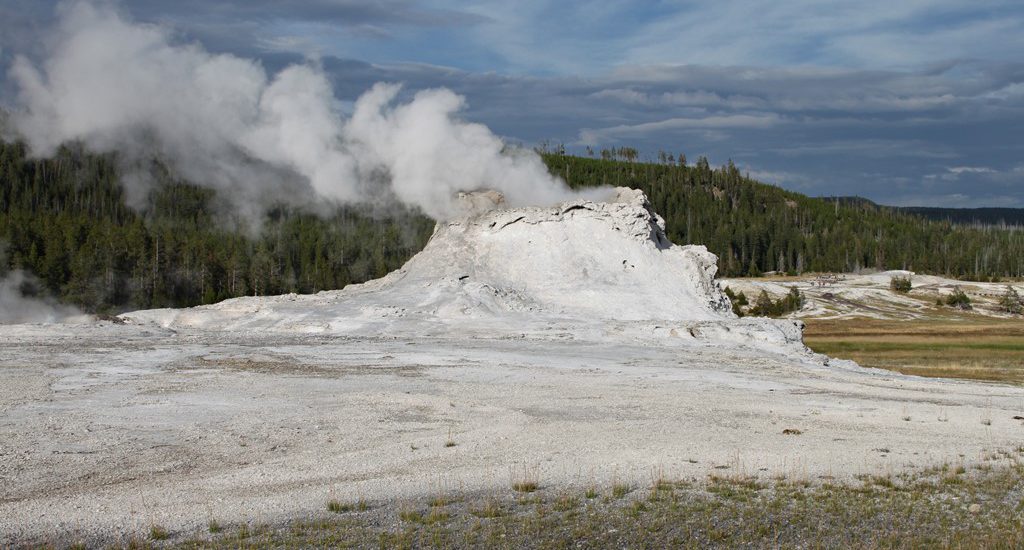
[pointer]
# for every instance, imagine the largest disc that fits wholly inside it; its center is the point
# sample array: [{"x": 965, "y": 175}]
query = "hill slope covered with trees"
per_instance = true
[
  {"x": 754, "y": 227},
  {"x": 66, "y": 221},
  {"x": 957, "y": 216}
]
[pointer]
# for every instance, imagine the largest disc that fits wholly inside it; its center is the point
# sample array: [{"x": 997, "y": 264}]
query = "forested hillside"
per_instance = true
[
  {"x": 65, "y": 220},
  {"x": 755, "y": 227},
  {"x": 957, "y": 216},
  {"x": 970, "y": 216}
]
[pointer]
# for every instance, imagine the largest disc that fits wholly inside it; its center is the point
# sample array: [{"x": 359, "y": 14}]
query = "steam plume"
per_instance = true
[
  {"x": 18, "y": 305},
  {"x": 220, "y": 120}
]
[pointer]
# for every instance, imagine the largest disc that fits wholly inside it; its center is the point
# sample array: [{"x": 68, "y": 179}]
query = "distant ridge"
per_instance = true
[{"x": 958, "y": 216}]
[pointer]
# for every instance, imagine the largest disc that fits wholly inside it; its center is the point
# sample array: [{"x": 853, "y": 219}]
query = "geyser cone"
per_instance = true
[
  {"x": 594, "y": 260},
  {"x": 582, "y": 269}
]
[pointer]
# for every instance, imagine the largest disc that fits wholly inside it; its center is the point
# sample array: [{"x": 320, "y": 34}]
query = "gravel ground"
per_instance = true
[{"x": 107, "y": 429}]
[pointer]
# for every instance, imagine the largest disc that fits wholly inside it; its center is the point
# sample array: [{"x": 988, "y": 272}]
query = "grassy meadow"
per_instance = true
[{"x": 988, "y": 348}]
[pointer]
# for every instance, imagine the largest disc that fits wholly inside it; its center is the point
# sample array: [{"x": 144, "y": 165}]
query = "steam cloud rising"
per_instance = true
[
  {"x": 222, "y": 121},
  {"x": 17, "y": 306}
]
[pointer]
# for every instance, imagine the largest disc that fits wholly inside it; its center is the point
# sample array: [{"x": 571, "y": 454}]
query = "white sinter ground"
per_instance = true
[
  {"x": 869, "y": 295},
  {"x": 574, "y": 342}
]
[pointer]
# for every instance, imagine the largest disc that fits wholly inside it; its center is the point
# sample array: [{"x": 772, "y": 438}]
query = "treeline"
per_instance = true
[
  {"x": 754, "y": 227},
  {"x": 1011, "y": 217},
  {"x": 65, "y": 220},
  {"x": 1002, "y": 217}
]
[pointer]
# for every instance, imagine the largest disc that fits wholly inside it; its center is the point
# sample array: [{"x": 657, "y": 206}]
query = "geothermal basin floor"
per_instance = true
[{"x": 108, "y": 429}]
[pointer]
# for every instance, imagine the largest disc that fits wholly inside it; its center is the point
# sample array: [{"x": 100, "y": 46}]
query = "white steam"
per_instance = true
[
  {"x": 221, "y": 121},
  {"x": 19, "y": 306}
]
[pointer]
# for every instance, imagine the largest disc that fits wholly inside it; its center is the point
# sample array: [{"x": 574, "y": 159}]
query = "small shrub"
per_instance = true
[
  {"x": 213, "y": 526},
  {"x": 734, "y": 299},
  {"x": 736, "y": 308},
  {"x": 764, "y": 306},
  {"x": 900, "y": 284},
  {"x": 958, "y": 299}
]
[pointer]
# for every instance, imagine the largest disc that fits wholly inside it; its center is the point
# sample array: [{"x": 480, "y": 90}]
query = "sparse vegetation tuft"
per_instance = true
[
  {"x": 158, "y": 532},
  {"x": 489, "y": 508},
  {"x": 948, "y": 507},
  {"x": 526, "y": 481},
  {"x": 565, "y": 502},
  {"x": 525, "y": 486},
  {"x": 620, "y": 490},
  {"x": 435, "y": 515},
  {"x": 339, "y": 507}
]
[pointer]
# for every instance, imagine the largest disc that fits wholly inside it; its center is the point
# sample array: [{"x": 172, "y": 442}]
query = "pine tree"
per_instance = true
[{"x": 1010, "y": 301}]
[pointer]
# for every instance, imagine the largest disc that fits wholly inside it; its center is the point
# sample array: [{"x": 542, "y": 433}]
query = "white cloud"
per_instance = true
[
  {"x": 971, "y": 170},
  {"x": 741, "y": 121}
]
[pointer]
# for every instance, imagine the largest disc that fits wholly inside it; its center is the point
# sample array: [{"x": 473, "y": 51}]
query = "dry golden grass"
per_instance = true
[{"x": 979, "y": 349}]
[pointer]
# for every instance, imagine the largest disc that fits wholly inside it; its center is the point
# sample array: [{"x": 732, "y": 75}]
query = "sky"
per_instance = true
[{"x": 906, "y": 103}]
